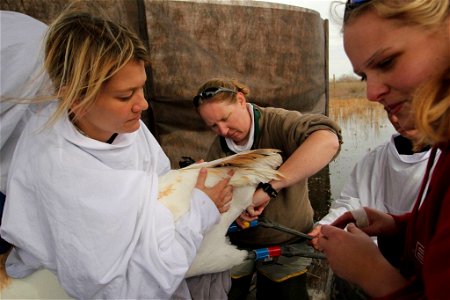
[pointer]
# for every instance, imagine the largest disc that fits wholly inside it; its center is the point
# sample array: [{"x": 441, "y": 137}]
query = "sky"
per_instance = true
[{"x": 339, "y": 63}]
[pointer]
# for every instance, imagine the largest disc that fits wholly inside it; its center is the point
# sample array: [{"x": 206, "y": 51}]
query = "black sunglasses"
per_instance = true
[
  {"x": 356, "y": 2},
  {"x": 209, "y": 93},
  {"x": 352, "y": 4}
]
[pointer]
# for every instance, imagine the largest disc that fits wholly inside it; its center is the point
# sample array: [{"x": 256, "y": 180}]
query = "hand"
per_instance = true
[
  {"x": 380, "y": 223},
  {"x": 244, "y": 218},
  {"x": 221, "y": 193},
  {"x": 348, "y": 252},
  {"x": 259, "y": 202},
  {"x": 316, "y": 233},
  {"x": 353, "y": 256}
]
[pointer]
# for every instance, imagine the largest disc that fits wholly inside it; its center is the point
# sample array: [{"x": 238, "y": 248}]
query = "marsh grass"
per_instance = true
[
  {"x": 347, "y": 88},
  {"x": 350, "y": 105},
  {"x": 344, "y": 110}
]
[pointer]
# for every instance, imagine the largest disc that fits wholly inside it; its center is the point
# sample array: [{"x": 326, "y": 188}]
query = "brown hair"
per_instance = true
[{"x": 228, "y": 83}]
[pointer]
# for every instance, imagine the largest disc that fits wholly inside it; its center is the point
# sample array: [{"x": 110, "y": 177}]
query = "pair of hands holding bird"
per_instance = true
[{"x": 222, "y": 193}]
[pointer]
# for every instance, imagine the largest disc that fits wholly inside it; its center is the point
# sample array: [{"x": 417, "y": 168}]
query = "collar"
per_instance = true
[{"x": 256, "y": 132}]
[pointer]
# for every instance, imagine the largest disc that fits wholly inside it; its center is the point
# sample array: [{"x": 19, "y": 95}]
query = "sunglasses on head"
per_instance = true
[
  {"x": 209, "y": 93},
  {"x": 351, "y": 4}
]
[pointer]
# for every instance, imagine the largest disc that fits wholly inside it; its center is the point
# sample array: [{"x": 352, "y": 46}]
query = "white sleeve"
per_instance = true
[
  {"x": 22, "y": 77},
  {"x": 349, "y": 199},
  {"x": 187, "y": 233},
  {"x": 339, "y": 207},
  {"x": 365, "y": 186}
]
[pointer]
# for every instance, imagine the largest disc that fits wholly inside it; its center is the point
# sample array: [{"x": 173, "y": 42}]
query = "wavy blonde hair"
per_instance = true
[
  {"x": 82, "y": 52},
  {"x": 428, "y": 13},
  {"x": 431, "y": 107}
]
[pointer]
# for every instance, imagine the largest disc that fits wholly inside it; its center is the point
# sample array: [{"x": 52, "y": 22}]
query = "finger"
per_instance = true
[
  {"x": 352, "y": 228},
  {"x": 226, "y": 196},
  {"x": 223, "y": 183},
  {"x": 239, "y": 221},
  {"x": 314, "y": 243},
  {"x": 230, "y": 174},
  {"x": 253, "y": 212},
  {"x": 316, "y": 231},
  {"x": 244, "y": 224},
  {"x": 259, "y": 209},
  {"x": 255, "y": 215},
  {"x": 229, "y": 197},
  {"x": 225, "y": 208},
  {"x": 246, "y": 217},
  {"x": 327, "y": 230},
  {"x": 249, "y": 219},
  {"x": 201, "y": 178},
  {"x": 343, "y": 220},
  {"x": 227, "y": 190},
  {"x": 322, "y": 239},
  {"x": 227, "y": 200},
  {"x": 361, "y": 218},
  {"x": 250, "y": 210}
]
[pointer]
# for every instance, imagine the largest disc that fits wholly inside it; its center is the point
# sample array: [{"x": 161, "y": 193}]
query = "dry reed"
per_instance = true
[{"x": 345, "y": 109}]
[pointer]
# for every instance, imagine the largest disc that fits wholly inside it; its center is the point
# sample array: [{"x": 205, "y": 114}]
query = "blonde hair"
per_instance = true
[
  {"x": 427, "y": 13},
  {"x": 82, "y": 52},
  {"x": 431, "y": 107}
]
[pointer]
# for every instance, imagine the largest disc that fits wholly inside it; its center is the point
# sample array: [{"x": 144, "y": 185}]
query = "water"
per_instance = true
[{"x": 364, "y": 126}]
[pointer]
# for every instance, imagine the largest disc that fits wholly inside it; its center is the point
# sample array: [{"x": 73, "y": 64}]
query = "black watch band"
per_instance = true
[{"x": 267, "y": 187}]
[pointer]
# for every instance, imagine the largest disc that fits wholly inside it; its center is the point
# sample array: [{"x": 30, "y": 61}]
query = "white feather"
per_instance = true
[{"x": 216, "y": 253}]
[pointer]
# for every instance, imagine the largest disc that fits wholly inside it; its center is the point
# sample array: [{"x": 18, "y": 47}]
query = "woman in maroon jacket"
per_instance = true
[{"x": 397, "y": 46}]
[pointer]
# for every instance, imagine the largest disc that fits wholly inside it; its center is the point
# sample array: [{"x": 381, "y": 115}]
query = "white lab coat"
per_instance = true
[
  {"x": 22, "y": 78},
  {"x": 88, "y": 212},
  {"x": 383, "y": 179}
]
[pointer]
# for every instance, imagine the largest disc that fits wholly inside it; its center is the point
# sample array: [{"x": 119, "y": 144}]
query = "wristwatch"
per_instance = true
[{"x": 267, "y": 187}]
